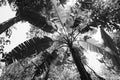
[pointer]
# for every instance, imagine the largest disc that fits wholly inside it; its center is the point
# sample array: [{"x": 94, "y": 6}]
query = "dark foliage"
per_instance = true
[
  {"x": 36, "y": 19},
  {"x": 2, "y": 2},
  {"x": 26, "y": 11},
  {"x": 62, "y": 2},
  {"x": 77, "y": 22},
  {"x": 101, "y": 14},
  {"x": 86, "y": 29},
  {"x": 5, "y": 25},
  {"x": 37, "y": 5},
  {"x": 45, "y": 65},
  {"x": 107, "y": 17},
  {"x": 86, "y": 4},
  {"x": 27, "y": 49}
]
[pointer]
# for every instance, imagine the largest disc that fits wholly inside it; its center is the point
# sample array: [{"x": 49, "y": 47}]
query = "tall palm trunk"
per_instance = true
[
  {"x": 5, "y": 25},
  {"x": 84, "y": 75}
]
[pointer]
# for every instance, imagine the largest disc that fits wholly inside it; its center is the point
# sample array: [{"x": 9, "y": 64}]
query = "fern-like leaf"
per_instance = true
[{"x": 28, "y": 48}]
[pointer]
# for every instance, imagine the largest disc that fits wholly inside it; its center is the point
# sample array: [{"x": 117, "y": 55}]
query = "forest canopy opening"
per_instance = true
[{"x": 41, "y": 39}]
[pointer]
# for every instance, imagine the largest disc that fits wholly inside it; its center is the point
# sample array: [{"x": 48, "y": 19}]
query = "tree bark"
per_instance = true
[
  {"x": 84, "y": 75},
  {"x": 5, "y": 25}
]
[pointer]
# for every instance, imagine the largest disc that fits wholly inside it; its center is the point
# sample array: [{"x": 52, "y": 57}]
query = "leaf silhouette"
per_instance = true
[
  {"x": 77, "y": 22},
  {"x": 37, "y": 19},
  {"x": 108, "y": 41},
  {"x": 28, "y": 48}
]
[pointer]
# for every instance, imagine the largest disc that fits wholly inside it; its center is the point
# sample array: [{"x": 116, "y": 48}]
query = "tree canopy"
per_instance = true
[{"x": 62, "y": 28}]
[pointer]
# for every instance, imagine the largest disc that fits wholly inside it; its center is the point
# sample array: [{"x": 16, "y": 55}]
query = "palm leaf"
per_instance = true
[
  {"x": 91, "y": 47},
  {"x": 107, "y": 55},
  {"x": 28, "y": 48},
  {"x": 108, "y": 41}
]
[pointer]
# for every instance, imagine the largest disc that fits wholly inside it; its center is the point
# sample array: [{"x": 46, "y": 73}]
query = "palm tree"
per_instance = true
[{"x": 66, "y": 39}]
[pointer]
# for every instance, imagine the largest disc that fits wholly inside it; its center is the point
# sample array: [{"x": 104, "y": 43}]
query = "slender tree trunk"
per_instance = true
[
  {"x": 84, "y": 75},
  {"x": 5, "y": 25}
]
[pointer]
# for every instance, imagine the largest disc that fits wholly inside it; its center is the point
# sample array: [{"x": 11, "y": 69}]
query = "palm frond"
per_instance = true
[
  {"x": 106, "y": 55},
  {"x": 109, "y": 42},
  {"x": 91, "y": 47},
  {"x": 28, "y": 48}
]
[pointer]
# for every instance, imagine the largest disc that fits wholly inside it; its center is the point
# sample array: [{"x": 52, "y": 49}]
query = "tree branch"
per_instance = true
[{"x": 7, "y": 24}]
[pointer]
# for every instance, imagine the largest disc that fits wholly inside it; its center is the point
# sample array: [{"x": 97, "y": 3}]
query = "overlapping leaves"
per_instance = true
[{"x": 108, "y": 50}]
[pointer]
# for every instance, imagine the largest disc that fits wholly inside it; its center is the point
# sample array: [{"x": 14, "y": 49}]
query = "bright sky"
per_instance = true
[
  {"x": 70, "y": 3},
  {"x": 6, "y": 13},
  {"x": 97, "y": 36},
  {"x": 104, "y": 0},
  {"x": 92, "y": 60},
  {"x": 18, "y": 34}
]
